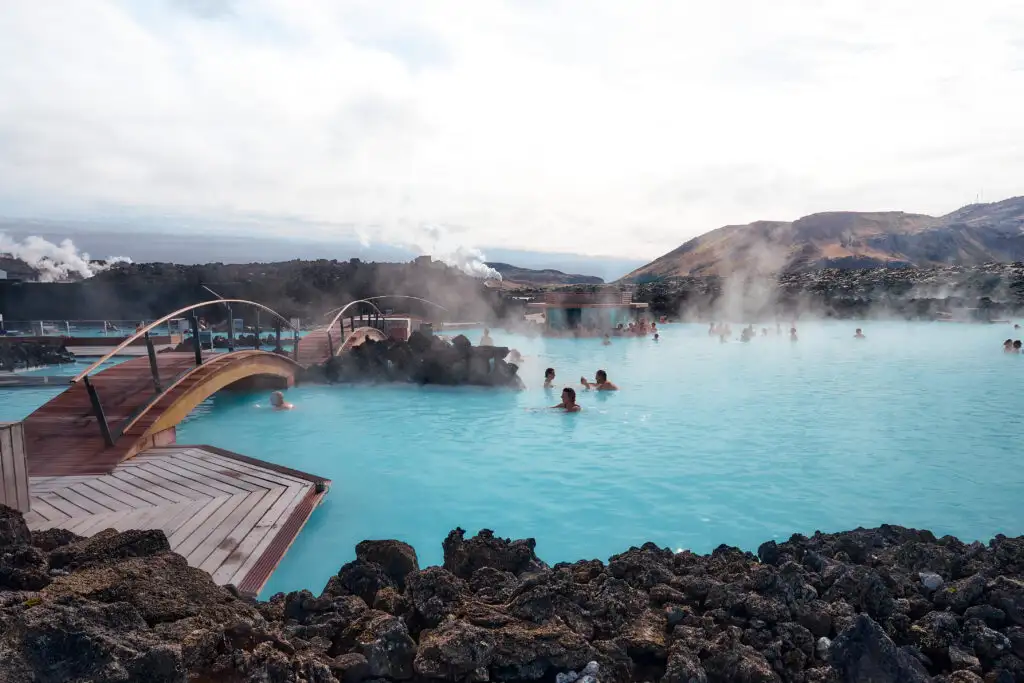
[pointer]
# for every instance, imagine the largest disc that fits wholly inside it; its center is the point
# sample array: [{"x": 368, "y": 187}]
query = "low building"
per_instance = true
[{"x": 595, "y": 311}]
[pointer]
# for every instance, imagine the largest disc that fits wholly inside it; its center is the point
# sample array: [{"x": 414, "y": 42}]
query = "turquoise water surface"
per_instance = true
[{"x": 706, "y": 443}]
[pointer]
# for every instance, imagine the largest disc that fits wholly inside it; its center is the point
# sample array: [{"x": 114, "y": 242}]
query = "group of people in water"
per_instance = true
[
  {"x": 724, "y": 331},
  {"x": 638, "y": 328},
  {"x": 568, "y": 402}
]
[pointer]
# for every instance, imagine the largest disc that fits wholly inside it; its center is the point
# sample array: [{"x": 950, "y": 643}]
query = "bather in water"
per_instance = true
[
  {"x": 568, "y": 403},
  {"x": 549, "y": 378},
  {"x": 600, "y": 382},
  {"x": 277, "y": 402}
]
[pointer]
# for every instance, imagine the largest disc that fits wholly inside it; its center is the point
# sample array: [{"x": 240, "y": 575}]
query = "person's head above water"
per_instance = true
[
  {"x": 277, "y": 399},
  {"x": 1017, "y": 345},
  {"x": 601, "y": 376},
  {"x": 568, "y": 396},
  {"x": 549, "y": 374}
]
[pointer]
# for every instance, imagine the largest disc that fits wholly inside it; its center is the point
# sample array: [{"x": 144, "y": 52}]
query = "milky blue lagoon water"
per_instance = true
[{"x": 706, "y": 443}]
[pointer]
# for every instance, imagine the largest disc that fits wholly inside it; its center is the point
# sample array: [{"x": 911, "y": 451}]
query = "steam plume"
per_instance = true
[
  {"x": 55, "y": 262},
  {"x": 437, "y": 242}
]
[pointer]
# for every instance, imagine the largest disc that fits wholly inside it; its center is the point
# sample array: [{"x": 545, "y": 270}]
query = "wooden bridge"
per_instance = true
[
  {"x": 227, "y": 514},
  {"x": 108, "y": 417},
  {"x": 338, "y": 336}
]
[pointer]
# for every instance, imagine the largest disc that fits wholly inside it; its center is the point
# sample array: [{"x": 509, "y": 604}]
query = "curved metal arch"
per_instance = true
[
  {"x": 393, "y": 296},
  {"x": 341, "y": 312},
  {"x": 141, "y": 333}
]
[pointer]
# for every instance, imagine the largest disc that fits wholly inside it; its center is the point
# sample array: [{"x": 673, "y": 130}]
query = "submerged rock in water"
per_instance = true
[{"x": 833, "y": 607}]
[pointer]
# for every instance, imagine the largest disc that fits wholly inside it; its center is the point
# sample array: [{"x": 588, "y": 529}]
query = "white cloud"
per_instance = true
[{"x": 593, "y": 126}]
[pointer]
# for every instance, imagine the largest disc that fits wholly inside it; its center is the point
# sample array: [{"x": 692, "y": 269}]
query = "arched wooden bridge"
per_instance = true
[
  {"x": 342, "y": 332},
  {"x": 108, "y": 416}
]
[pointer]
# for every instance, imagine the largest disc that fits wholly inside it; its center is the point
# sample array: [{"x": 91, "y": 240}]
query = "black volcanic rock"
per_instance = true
[{"x": 830, "y": 607}]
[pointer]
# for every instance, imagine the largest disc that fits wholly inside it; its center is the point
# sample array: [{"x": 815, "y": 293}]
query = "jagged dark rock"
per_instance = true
[
  {"x": 423, "y": 359},
  {"x": 825, "y": 608},
  {"x": 20, "y": 355},
  {"x": 462, "y": 557}
]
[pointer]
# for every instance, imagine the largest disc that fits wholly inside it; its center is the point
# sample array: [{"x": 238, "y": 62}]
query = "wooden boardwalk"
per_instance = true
[
  {"x": 231, "y": 516},
  {"x": 63, "y": 437},
  {"x": 319, "y": 345}
]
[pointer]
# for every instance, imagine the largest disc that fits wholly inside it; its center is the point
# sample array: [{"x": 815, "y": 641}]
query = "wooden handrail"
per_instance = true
[{"x": 142, "y": 332}]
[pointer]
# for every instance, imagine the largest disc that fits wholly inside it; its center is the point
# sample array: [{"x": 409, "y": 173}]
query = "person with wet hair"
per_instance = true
[
  {"x": 1008, "y": 346},
  {"x": 858, "y": 334},
  {"x": 549, "y": 378},
  {"x": 1016, "y": 346},
  {"x": 568, "y": 403},
  {"x": 277, "y": 402},
  {"x": 600, "y": 382}
]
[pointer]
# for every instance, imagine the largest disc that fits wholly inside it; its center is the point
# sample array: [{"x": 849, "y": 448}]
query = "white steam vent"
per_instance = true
[
  {"x": 437, "y": 242},
  {"x": 55, "y": 262}
]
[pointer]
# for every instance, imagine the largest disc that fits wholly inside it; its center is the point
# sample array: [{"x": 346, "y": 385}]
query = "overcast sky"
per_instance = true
[{"x": 592, "y": 126}]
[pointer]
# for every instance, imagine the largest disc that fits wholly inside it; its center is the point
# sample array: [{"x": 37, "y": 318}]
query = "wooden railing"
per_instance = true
[{"x": 110, "y": 437}]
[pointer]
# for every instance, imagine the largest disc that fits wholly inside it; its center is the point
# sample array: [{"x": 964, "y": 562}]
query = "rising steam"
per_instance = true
[
  {"x": 55, "y": 262},
  {"x": 436, "y": 241}
]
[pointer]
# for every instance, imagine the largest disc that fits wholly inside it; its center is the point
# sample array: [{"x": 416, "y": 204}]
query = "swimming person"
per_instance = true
[
  {"x": 1016, "y": 346},
  {"x": 792, "y": 334},
  {"x": 486, "y": 339},
  {"x": 600, "y": 382},
  {"x": 568, "y": 403},
  {"x": 607, "y": 340},
  {"x": 859, "y": 335},
  {"x": 277, "y": 402},
  {"x": 549, "y": 378},
  {"x": 1008, "y": 346},
  {"x": 656, "y": 336}
]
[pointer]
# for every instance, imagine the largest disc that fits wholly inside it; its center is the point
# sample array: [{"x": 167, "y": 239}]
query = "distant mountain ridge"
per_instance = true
[
  {"x": 972, "y": 235},
  {"x": 547, "y": 276}
]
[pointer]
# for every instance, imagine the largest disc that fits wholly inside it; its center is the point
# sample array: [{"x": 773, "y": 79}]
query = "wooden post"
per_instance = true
[
  {"x": 97, "y": 410},
  {"x": 295, "y": 344},
  {"x": 257, "y": 343},
  {"x": 277, "y": 335},
  {"x": 195, "y": 340},
  {"x": 231, "y": 330},
  {"x": 14, "y": 488},
  {"x": 330, "y": 345},
  {"x": 153, "y": 368}
]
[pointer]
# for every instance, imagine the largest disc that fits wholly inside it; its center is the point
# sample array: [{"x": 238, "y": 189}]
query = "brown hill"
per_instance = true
[{"x": 975, "y": 234}]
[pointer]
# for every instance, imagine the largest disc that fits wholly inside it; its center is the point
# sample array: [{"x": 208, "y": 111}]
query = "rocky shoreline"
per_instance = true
[
  {"x": 882, "y": 605},
  {"x": 26, "y": 355},
  {"x": 979, "y": 293}
]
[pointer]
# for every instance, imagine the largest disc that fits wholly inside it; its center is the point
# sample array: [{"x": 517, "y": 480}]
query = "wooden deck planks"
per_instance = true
[{"x": 228, "y": 515}]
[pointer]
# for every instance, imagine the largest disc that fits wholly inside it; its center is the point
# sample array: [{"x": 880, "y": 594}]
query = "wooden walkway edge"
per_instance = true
[{"x": 227, "y": 514}]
